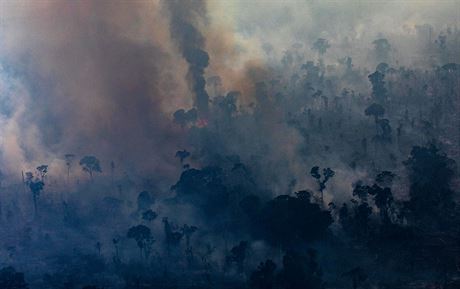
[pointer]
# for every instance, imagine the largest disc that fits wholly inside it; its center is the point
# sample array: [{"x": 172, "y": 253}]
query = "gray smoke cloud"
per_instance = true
[
  {"x": 98, "y": 78},
  {"x": 104, "y": 78}
]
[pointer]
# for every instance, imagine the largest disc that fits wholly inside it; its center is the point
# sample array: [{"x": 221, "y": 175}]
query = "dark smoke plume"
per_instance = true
[{"x": 183, "y": 20}]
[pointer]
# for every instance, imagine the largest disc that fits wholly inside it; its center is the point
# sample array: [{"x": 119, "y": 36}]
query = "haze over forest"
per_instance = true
[{"x": 229, "y": 144}]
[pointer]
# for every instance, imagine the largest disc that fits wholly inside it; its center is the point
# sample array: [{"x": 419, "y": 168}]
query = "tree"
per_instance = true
[
  {"x": 173, "y": 237},
  {"x": 90, "y": 164},
  {"x": 43, "y": 170},
  {"x": 204, "y": 188},
  {"x": 182, "y": 155},
  {"x": 327, "y": 174},
  {"x": 379, "y": 92},
  {"x": 383, "y": 130},
  {"x": 143, "y": 237},
  {"x": 321, "y": 45},
  {"x": 35, "y": 186},
  {"x": 361, "y": 191},
  {"x": 375, "y": 110},
  {"x": 68, "y": 161},
  {"x": 383, "y": 198},
  {"x": 188, "y": 231}
]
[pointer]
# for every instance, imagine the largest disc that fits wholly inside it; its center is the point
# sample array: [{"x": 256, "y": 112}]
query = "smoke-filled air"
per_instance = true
[{"x": 229, "y": 144}]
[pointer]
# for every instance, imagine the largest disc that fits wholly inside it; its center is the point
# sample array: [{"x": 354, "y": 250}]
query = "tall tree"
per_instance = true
[
  {"x": 327, "y": 174},
  {"x": 143, "y": 237},
  {"x": 68, "y": 162},
  {"x": 36, "y": 186},
  {"x": 90, "y": 164}
]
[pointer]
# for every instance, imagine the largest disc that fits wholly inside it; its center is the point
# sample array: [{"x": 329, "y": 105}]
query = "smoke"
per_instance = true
[
  {"x": 184, "y": 19},
  {"x": 236, "y": 86},
  {"x": 267, "y": 30},
  {"x": 104, "y": 77},
  {"x": 89, "y": 77}
]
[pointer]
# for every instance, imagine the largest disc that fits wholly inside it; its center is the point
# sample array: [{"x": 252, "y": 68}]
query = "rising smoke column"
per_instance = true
[
  {"x": 89, "y": 78},
  {"x": 185, "y": 15}
]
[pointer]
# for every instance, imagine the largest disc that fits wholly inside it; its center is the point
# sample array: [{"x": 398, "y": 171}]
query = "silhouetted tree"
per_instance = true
[
  {"x": 205, "y": 189},
  {"x": 327, "y": 174},
  {"x": 68, "y": 162},
  {"x": 383, "y": 130},
  {"x": 383, "y": 198},
  {"x": 188, "y": 231},
  {"x": 90, "y": 164},
  {"x": 173, "y": 237},
  {"x": 361, "y": 191},
  {"x": 143, "y": 237},
  {"x": 182, "y": 155},
  {"x": 379, "y": 92},
  {"x": 35, "y": 186}
]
